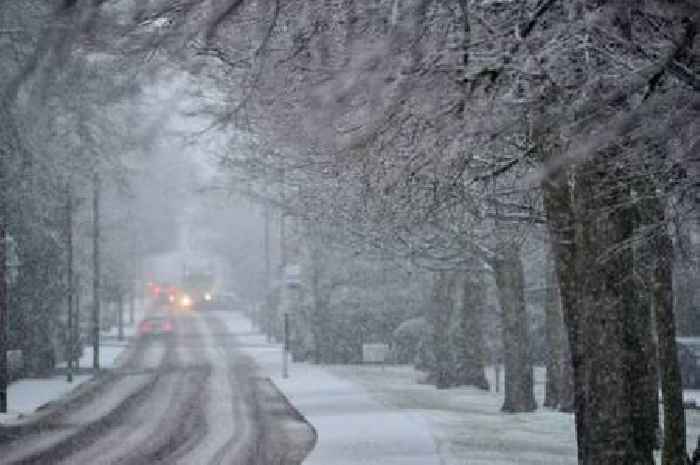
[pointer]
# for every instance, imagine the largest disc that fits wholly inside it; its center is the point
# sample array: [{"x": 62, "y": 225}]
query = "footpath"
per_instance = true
[
  {"x": 26, "y": 396},
  {"x": 352, "y": 426},
  {"x": 368, "y": 414}
]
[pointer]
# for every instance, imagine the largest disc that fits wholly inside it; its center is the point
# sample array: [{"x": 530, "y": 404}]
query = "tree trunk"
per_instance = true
[
  {"x": 674, "y": 447},
  {"x": 440, "y": 315},
  {"x": 321, "y": 307},
  {"x": 561, "y": 223},
  {"x": 554, "y": 329},
  {"x": 470, "y": 364},
  {"x": 640, "y": 347},
  {"x": 510, "y": 279},
  {"x": 566, "y": 386},
  {"x": 608, "y": 337},
  {"x": 643, "y": 350},
  {"x": 606, "y": 326}
]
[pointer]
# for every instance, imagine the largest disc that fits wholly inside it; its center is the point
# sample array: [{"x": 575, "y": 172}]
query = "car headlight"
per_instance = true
[
  {"x": 186, "y": 301},
  {"x": 207, "y": 296}
]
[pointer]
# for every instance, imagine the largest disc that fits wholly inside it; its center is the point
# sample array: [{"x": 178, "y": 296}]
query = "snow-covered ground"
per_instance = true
[
  {"x": 352, "y": 426},
  {"x": 25, "y": 396},
  {"x": 466, "y": 424},
  {"x": 109, "y": 353},
  {"x": 358, "y": 408}
]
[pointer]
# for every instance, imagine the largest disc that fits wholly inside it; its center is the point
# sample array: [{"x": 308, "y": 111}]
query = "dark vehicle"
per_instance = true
[
  {"x": 689, "y": 361},
  {"x": 198, "y": 290},
  {"x": 156, "y": 325}
]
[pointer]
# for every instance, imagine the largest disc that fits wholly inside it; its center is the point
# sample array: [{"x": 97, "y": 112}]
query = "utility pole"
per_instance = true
[
  {"x": 285, "y": 349},
  {"x": 76, "y": 320},
  {"x": 283, "y": 299},
  {"x": 131, "y": 285},
  {"x": 266, "y": 320},
  {"x": 120, "y": 314},
  {"x": 69, "y": 278},
  {"x": 4, "y": 317},
  {"x": 96, "y": 273},
  {"x": 267, "y": 315},
  {"x": 283, "y": 241},
  {"x": 132, "y": 303}
]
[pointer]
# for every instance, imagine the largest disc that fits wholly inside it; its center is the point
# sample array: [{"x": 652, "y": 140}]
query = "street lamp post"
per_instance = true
[{"x": 285, "y": 350}]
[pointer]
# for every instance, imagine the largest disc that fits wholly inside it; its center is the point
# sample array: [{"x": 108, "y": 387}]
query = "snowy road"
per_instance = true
[{"x": 190, "y": 399}]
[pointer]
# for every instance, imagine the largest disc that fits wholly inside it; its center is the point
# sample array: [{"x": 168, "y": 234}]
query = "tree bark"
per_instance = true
[
  {"x": 510, "y": 279},
  {"x": 470, "y": 365},
  {"x": 440, "y": 315},
  {"x": 605, "y": 326},
  {"x": 566, "y": 393},
  {"x": 608, "y": 337},
  {"x": 554, "y": 329},
  {"x": 641, "y": 357},
  {"x": 674, "y": 447},
  {"x": 320, "y": 311}
]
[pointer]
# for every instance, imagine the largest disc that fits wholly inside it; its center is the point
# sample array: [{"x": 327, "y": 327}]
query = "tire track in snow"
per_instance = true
[
  {"x": 81, "y": 419},
  {"x": 226, "y": 406}
]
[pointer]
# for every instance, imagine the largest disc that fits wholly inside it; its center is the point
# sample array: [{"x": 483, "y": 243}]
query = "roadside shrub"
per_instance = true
[{"x": 407, "y": 340}]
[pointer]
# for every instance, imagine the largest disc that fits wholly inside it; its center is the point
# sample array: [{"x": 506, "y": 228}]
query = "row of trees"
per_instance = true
[
  {"x": 448, "y": 137},
  {"x": 451, "y": 134},
  {"x": 73, "y": 181}
]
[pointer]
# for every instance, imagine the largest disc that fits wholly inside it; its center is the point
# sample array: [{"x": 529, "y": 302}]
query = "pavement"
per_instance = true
[
  {"x": 352, "y": 426},
  {"x": 27, "y": 395}
]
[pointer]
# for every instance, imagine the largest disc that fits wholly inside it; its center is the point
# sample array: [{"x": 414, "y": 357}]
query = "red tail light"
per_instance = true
[{"x": 145, "y": 327}]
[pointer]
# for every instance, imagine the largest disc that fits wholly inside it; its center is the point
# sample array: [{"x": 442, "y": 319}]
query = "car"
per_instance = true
[
  {"x": 198, "y": 289},
  {"x": 689, "y": 361},
  {"x": 156, "y": 325},
  {"x": 163, "y": 294}
]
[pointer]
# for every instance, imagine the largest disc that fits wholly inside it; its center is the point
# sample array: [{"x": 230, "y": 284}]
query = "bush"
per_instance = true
[{"x": 409, "y": 340}]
